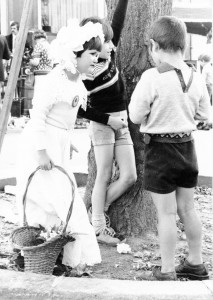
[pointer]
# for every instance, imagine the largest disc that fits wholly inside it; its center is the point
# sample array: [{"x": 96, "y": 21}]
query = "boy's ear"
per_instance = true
[
  {"x": 151, "y": 41},
  {"x": 154, "y": 45}
]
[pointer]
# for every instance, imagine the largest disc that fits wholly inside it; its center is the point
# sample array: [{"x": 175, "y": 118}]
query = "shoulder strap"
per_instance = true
[
  {"x": 185, "y": 87},
  {"x": 165, "y": 67},
  {"x": 190, "y": 81}
]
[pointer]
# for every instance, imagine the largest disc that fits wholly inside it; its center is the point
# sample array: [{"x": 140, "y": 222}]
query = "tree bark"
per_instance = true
[{"x": 133, "y": 213}]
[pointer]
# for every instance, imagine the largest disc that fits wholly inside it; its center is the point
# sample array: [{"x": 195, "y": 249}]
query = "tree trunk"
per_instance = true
[{"x": 134, "y": 212}]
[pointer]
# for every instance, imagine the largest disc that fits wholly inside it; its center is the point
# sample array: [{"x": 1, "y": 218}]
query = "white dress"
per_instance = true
[{"x": 49, "y": 195}]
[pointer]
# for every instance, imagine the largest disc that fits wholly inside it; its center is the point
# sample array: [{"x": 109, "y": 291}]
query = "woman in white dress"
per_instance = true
[{"x": 46, "y": 141}]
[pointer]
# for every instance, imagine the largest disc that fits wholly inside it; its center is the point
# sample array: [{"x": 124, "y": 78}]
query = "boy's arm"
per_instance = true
[
  {"x": 118, "y": 20},
  {"x": 142, "y": 97},
  {"x": 93, "y": 115}
]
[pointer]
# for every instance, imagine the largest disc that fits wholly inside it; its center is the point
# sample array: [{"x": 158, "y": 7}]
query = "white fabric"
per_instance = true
[
  {"x": 70, "y": 39},
  {"x": 61, "y": 11},
  {"x": 49, "y": 195},
  {"x": 54, "y": 103},
  {"x": 160, "y": 106}
]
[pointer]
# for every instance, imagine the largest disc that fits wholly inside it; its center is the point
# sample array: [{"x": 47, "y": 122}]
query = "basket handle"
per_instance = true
[{"x": 71, "y": 204}]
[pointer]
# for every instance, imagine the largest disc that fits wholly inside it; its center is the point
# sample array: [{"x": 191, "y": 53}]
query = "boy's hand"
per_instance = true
[
  {"x": 44, "y": 160},
  {"x": 116, "y": 123}
]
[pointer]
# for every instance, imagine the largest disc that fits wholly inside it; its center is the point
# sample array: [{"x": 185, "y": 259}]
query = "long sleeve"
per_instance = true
[
  {"x": 118, "y": 20},
  {"x": 93, "y": 115},
  {"x": 159, "y": 104},
  {"x": 42, "y": 105},
  {"x": 140, "y": 105}
]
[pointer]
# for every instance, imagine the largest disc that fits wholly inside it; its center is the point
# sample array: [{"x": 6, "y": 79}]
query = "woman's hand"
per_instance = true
[
  {"x": 44, "y": 161},
  {"x": 116, "y": 123}
]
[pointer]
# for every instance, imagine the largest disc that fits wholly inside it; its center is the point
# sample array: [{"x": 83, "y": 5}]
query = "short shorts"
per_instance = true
[
  {"x": 170, "y": 165},
  {"x": 105, "y": 135}
]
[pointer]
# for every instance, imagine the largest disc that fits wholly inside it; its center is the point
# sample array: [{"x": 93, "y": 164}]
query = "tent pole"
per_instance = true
[{"x": 15, "y": 67}]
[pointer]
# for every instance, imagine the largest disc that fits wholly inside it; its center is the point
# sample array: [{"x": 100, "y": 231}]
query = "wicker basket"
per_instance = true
[{"x": 41, "y": 258}]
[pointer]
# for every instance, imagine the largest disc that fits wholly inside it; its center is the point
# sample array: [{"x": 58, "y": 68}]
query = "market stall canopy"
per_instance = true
[
  {"x": 198, "y": 20},
  {"x": 201, "y": 28}
]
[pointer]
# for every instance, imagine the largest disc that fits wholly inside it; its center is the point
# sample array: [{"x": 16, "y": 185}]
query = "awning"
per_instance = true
[
  {"x": 198, "y": 20},
  {"x": 201, "y": 28}
]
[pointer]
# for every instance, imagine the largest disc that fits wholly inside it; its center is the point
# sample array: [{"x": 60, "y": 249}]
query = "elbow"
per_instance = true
[{"x": 135, "y": 119}]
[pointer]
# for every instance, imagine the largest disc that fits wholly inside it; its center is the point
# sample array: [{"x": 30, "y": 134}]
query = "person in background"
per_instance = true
[
  {"x": 166, "y": 102},
  {"x": 11, "y": 38},
  {"x": 4, "y": 54},
  {"x": 40, "y": 61},
  {"x": 207, "y": 72},
  {"x": 12, "y": 42}
]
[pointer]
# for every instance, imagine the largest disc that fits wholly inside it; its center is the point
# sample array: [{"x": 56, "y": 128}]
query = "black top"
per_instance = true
[
  {"x": 105, "y": 85},
  {"x": 4, "y": 54}
]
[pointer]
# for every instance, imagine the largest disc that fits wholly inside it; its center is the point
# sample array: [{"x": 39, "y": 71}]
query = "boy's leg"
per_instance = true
[
  {"x": 166, "y": 209},
  {"x": 192, "y": 267},
  {"x": 192, "y": 223},
  {"x": 104, "y": 158},
  {"x": 125, "y": 157}
]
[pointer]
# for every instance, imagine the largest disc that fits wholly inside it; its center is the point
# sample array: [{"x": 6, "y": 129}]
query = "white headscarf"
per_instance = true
[{"x": 71, "y": 39}]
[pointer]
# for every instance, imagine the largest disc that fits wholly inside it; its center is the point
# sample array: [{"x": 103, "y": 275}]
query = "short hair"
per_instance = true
[
  {"x": 14, "y": 23},
  {"x": 107, "y": 29},
  {"x": 93, "y": 44},
  {"x": 204, "y": 57},
  {"x": 37, "y": 34},
  {"x": 170, "y": 33}
]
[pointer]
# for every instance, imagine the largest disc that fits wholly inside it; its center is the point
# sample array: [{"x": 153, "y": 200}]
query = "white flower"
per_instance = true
[{"x": 123, "y": 248}]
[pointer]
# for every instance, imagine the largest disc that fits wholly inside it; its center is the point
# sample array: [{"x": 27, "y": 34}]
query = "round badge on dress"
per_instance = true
[{"x": 75, "y": 101}]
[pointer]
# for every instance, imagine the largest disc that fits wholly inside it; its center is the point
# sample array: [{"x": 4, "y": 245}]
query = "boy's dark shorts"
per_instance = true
[{"x": 170, "y": 165}]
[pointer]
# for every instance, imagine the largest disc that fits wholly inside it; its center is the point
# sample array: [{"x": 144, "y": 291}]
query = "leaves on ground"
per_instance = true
[{"x": 144, "y": 253}]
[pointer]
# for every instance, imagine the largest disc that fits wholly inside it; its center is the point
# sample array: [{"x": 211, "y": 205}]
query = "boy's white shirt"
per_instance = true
[{"x": 160, "y": 106}]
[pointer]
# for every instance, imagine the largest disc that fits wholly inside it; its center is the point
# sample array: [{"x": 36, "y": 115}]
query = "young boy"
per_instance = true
[
  {"x": 207, "y": 72},
  {"x": 107, "y": 95},
  {"x": 166, "y": 102}
]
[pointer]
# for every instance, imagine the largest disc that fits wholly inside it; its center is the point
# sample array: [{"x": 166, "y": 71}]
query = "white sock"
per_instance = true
[{"x": 98, "y": 222}]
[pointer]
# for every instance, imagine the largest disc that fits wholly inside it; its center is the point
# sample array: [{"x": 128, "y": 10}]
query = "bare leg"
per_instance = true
[
  {"x": 125, "y": 157},
  {"x": 192, "y": 224},
  {"x": 167, "y": 230},
  {"x": 104, "y": 158}
]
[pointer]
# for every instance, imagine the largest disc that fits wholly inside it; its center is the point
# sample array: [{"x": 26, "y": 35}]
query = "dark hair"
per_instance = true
[
  {"x": 107, "y": 29},
  {"x": 169, "y": 33},
  {"x": 37, "y": 34},
  {"x": 15, "y": 23},
  {"x": 204, "y": 57},
  {"x": 93, "y": 44}
]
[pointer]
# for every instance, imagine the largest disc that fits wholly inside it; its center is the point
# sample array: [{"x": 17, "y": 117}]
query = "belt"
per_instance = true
[
  {"x": 58, "y": 126},
  {"x": 165, "y": 139}
]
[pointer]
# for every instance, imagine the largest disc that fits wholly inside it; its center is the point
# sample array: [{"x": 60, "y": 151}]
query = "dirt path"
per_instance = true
[{"x": 144, "y": 251}]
